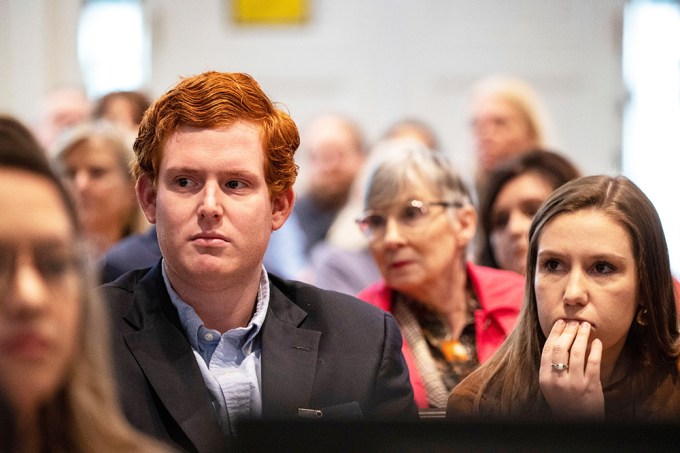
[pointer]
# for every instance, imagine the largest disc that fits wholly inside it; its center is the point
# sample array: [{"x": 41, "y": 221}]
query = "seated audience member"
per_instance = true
[
  {"x": 453, "y": 314},
  {"x": 342, "y": 261},
  {"x": 125, "y": 108},
  {"x": 55, "y": 373},
  {"x": 597, "y": 337},
  {"x": 415, "y": 130},
  {"x": 94, "y": 161},
  {"x": 334, "y": 151},
  {"x": 507, "y": 120},
  {"x": 61, "y": 109},
  {"x": 206, "y": 337},
  {"x": 512, "y": 195}
]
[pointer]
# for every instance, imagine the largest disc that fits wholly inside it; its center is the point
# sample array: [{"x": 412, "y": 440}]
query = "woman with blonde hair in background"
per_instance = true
[
  {"x": 93, "y": 159},
  {"x": 55, "y": 372},
  {"x": 507, "y": 120}
]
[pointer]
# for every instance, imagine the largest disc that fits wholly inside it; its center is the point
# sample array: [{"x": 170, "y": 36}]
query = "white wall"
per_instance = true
[
  {"x": 375, "y": 60},
  {"x": 386, "y": 59}
]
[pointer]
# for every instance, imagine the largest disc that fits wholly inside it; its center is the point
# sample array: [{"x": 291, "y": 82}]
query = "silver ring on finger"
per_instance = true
[{"x": 559, "y": 366}]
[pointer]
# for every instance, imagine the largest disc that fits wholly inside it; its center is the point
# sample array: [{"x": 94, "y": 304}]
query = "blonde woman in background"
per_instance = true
[
  {"x": 94, "y": 161},
  {"x": 507, "y": 120}
]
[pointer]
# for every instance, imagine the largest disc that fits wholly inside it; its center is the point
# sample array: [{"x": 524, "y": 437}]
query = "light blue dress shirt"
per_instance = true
[{"x": 230, "y": 361}]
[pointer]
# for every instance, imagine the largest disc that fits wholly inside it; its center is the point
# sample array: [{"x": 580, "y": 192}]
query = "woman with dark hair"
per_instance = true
[
  {"x": 55, "y": 372},
  {"x": 597, "y": 336},
  {"x": 513, "y": 193}
]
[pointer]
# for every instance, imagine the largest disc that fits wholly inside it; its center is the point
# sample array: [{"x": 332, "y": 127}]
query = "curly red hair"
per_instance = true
[{"x": 218, "y": 99}]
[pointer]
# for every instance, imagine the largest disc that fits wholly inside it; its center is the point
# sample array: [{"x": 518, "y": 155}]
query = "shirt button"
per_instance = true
[{"x": 209, "y": 336}]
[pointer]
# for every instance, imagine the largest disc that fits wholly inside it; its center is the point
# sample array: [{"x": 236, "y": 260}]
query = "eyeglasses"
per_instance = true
[
  {"x": 53, "y": 264},
  {"x": 411, "y": 216}
]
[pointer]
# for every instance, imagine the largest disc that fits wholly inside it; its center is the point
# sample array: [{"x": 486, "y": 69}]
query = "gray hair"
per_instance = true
[{"x": 408, "y": 164}]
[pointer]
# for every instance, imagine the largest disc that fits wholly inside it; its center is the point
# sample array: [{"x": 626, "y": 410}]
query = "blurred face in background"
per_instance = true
[
  {"x": 121, "y": 111},
  {"x": 511, "y": 215},
  {"x": 62, "y": 109},
  {"x": 39, "y": 290},
  {"x": 500, "y": 131},
  {"x": 102, "y": 188},
  {"x": 334, "y": 157}
]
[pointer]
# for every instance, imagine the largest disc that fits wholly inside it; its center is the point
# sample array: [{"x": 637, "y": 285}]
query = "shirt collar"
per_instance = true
[{"x": 192, "y": 323}]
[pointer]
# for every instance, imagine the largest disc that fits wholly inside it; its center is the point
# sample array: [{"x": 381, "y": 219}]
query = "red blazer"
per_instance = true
[{"x": 500, "y": 295}]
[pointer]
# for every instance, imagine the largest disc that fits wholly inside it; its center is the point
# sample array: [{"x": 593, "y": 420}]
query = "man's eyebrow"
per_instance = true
[
  {"x": 228, "y": 173},
  {"x": 182, "y": 169}
]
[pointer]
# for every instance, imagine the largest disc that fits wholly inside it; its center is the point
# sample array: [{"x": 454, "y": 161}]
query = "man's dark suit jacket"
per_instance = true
[{"x": 320, "y": 350}]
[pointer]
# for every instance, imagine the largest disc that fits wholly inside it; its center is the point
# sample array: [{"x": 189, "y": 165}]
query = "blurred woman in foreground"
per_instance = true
[
  {"x": 94, "y": 161},
  {"x": 55, "y": 371}
]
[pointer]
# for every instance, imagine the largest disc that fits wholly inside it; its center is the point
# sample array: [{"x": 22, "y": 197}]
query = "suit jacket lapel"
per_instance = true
[
  {"x": 167, "y": 360},
  {"x": 289, "y": 358}
]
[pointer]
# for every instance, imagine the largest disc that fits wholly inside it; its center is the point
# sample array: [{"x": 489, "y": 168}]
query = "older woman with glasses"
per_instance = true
[{"x": 453, "y": 314}]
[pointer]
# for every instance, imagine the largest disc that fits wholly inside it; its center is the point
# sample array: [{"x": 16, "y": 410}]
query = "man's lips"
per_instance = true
[{"x": 209, "y": 240}]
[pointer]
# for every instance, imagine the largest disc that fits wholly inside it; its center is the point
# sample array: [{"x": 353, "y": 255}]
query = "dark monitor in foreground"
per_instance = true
[{"x": 441, "y": 436}]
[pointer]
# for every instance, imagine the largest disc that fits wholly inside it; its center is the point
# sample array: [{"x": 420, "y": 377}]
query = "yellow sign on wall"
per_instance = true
[{"x": 271, "y": 11}]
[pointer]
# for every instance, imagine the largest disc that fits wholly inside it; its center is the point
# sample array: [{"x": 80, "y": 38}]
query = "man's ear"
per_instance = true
[
  {"x": 282, "y": 206},
  {"x": 146, "y": 195},
  {"x": 467, "y": 221}
]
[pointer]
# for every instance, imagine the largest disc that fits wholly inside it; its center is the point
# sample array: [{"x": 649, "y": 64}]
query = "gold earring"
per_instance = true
[{"x": 641, "y": 317}]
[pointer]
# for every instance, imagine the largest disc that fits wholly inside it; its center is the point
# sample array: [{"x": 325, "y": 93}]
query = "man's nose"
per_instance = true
[{"x": 210, "y": 204}]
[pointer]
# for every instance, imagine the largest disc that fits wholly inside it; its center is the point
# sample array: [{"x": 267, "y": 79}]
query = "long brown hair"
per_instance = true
[{"x": 510, "y": 377}]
